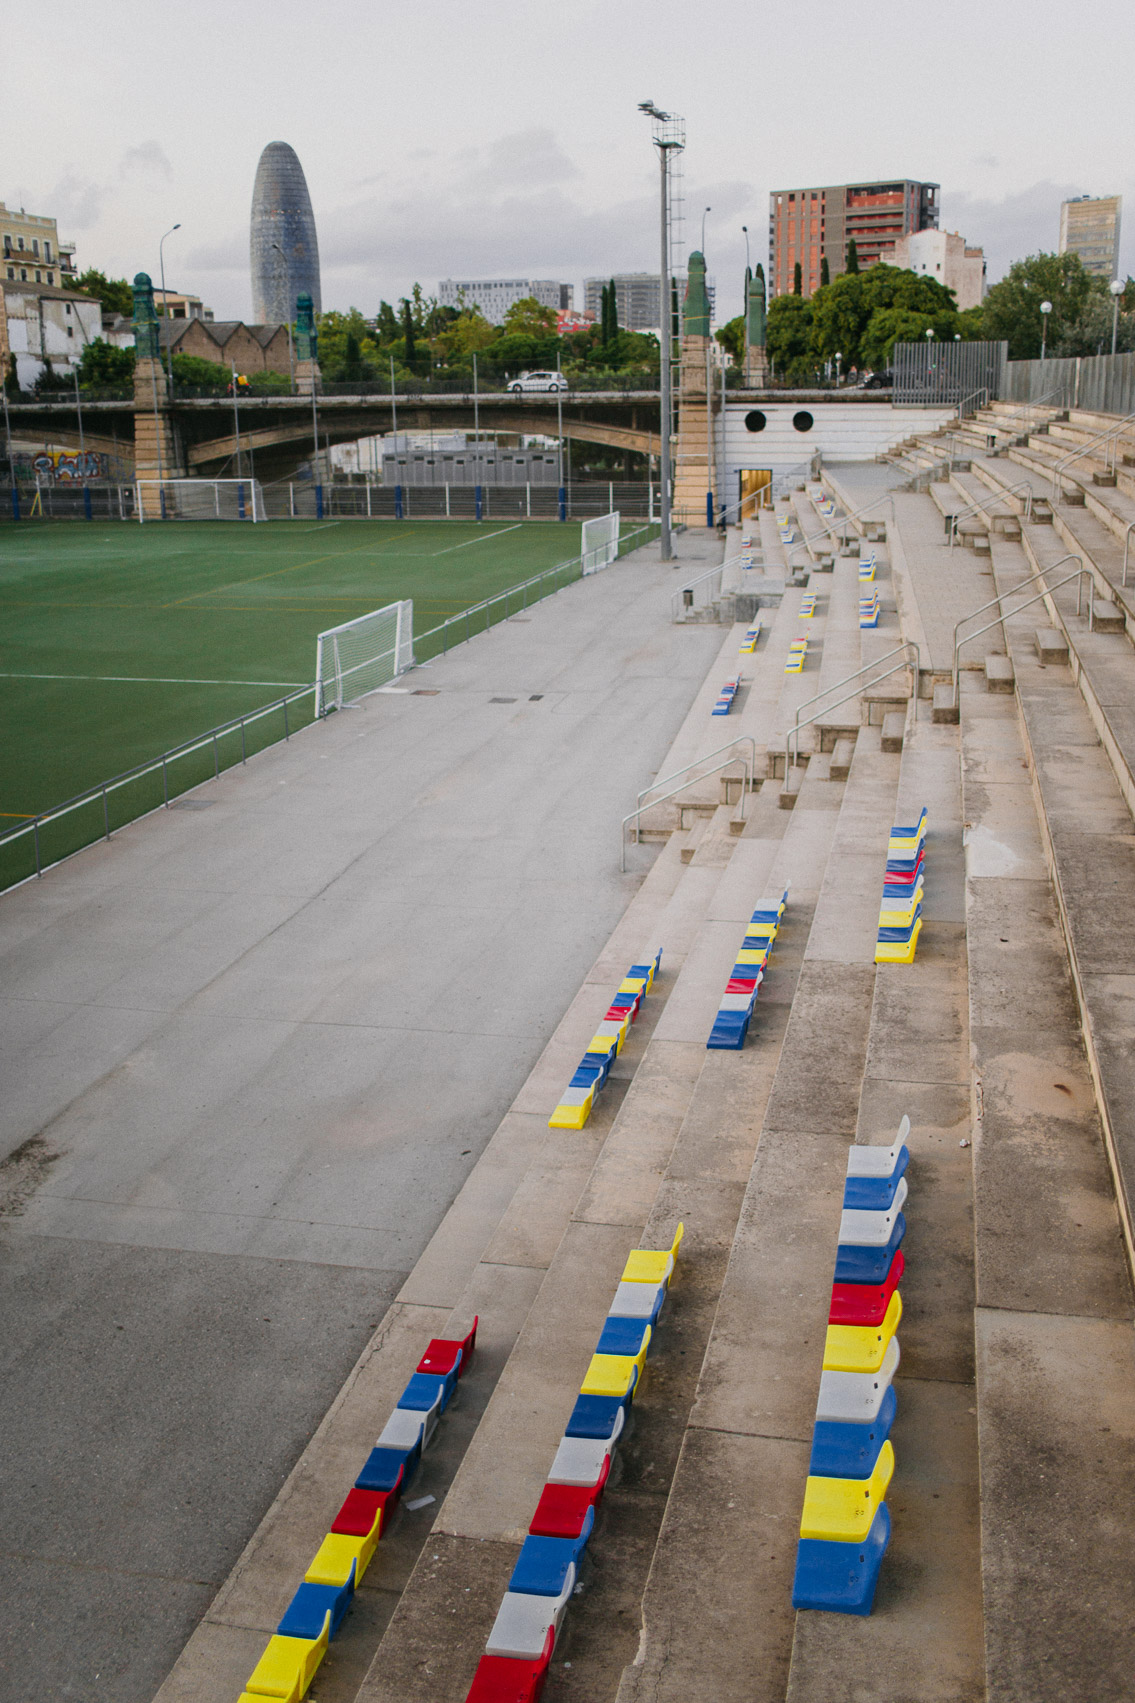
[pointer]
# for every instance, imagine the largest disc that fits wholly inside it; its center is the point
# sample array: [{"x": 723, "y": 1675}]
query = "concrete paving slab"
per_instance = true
[
  {"x": 817, "y": 1088},
  {"x": 1057, "y": 1423},
  {"x": 739, "y": 1510},
  {"x": 1001, "y": 838},
  {"x": 918, "y": 1030}
]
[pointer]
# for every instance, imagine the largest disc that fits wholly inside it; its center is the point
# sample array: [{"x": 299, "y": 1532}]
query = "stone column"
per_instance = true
[
  {"x": 693, "y": 460},
  {"x": 153, "y": 438}
]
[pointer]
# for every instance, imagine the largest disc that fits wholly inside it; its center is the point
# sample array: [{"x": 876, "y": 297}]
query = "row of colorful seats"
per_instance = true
[
  {"x": 749, "y": 642},
  {"x": 725, "y": 697},
  {"x": 786, "y": 529},
  {"x": 869, "y": 608},
  {"x": 808, "y": 606},
  {"x": 866, "y": 568},
  {"x": 605, "y": 1045},
  {"x": 846, "y": 1525},
  {"x": 900, "y": 915},
  {"x": 519, "y": 1647},
  {"x": 314, "y": 1615},
  {"x": 731, "y": 1024},
  {"x": 797, "y": 651},
  {"x": 748, "y": 559}
]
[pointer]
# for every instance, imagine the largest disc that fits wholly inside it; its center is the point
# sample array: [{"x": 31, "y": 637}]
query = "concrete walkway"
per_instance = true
[{"x": 252, "y": 1049}]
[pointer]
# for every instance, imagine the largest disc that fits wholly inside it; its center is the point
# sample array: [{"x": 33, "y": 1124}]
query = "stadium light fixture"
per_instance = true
[
  {"x": 165, "y": 304},
  {"x": 669, "y": 136}
]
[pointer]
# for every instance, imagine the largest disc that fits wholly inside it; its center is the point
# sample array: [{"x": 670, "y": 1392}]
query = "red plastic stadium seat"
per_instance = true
[
  {"x": 356, "y": 1517},
  {"x": 866, "y": 1303},
  {"x": 561, "y": 1510},
  {"x": 504, "y": 1679},
  {"x": 441, "y": 1355}
]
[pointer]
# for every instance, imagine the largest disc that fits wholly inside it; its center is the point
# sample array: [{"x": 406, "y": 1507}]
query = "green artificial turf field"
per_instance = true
[{"x": 119, "y": 642}]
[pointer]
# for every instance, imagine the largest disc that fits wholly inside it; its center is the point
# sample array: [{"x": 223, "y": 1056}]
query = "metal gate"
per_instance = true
[{"x": 951, "y": 373}]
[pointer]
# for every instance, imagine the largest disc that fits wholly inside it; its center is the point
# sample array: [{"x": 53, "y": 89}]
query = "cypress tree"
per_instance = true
[
  {"x": 825, "y": 271},
  {"x": 613, "y": 310},
  {"x": 852, "y": 256},
  {"x": 797, "y": 280},
  {"x": 408, "y": 334}
]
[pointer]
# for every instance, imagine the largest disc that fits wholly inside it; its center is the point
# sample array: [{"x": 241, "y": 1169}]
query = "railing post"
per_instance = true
[
  {"x": 105, "y": 814},
  {"x": 165, "y": 783},
  {"x": 243, "y": 752},
  {"x": 286, "y": 733},
  {"x": 216, "y": 760},
  {"x": 35, "y": 830}
]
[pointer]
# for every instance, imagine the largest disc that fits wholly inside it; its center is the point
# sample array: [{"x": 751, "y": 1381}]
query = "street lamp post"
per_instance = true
[
  {"x": 165, "y": 304},
  {"x": 669, "y": 135},
  {"x": 703, "y": 218},
  {"x": 1116, "y": 289},
  {"x": 288, "y": 324},
  {"x": 838, "y": 359},
  {"x": 236, "y": 420},
  {"x": 748, "y": 261},
  {"x": 1045, "y": 310}
]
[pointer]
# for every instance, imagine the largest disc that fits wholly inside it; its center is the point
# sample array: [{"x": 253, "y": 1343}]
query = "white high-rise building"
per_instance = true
[{"x": 494, "y": 296}]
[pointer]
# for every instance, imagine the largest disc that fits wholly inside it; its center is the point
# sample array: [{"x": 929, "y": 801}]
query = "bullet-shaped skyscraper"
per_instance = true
[{"x": 283, "y": 245}]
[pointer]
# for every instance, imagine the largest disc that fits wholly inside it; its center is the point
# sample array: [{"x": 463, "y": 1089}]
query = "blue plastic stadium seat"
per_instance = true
[
  {"x": 841, "y": 1577},
  {"x": 424, "y": 1388},
  {"x": 542, "y": 1566},
  {"x": 856, "y": 1264},
  {"x": 850, "y": 1451},
  {"x": 303, "y": 1617},
  {"x": 388, "y": 1469},
  {"x": 875, "y": 1194},
  {"x": 622, "y": 1336},
  {"x": 596, "y": 1416}
]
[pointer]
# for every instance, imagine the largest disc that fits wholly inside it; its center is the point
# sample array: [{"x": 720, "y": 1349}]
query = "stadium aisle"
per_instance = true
[{"x": 253, "y": 1047}]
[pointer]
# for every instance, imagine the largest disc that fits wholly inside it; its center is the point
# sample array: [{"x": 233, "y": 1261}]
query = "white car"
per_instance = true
[{"x": 538, "y": 381}]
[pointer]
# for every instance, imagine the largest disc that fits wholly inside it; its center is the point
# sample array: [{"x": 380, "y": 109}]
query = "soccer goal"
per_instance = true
[
  {"x": 599, "y": 545},
  {"x": 199, "y": 499},
  {"x": 362, "y": 655}
]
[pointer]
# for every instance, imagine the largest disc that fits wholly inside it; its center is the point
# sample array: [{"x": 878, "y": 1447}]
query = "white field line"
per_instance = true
[
  {"x": 153, "y": 680},
  {"x": 482, "y": 540}
]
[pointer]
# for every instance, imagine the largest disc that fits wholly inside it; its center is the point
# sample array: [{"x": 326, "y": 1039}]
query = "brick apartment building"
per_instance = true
[{"x": 811, "y": 225}]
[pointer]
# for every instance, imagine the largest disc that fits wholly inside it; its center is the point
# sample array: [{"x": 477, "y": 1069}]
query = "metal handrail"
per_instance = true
[
  {"x": 102, "y": 791},
  {"x": 792, "y": 737},
  {"x": 1040, "y": 402},
  {"x": 972, "y": 397},
  {"x": 996, "y": 496},
  {"x": 700, "y": 579},
  {"x": 741, "y": 739},
  {"x": 1111, "y": 435},
  {"x": 857, "y": 514},
  {"x": 1080, "y": 574},
  {"x": 1126, "y": 548},
  {"x": 643, "y": 808}
]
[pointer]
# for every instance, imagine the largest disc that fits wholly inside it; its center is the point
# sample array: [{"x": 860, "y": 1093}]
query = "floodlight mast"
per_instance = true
[{"x": 669, "y": 137}]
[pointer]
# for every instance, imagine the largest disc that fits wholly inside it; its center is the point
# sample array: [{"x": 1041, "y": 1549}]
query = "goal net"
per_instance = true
[
  {"x": 362, "y": 655},
  {"x": 199, "y": 499},
  {"x": 600, "y": 543}
]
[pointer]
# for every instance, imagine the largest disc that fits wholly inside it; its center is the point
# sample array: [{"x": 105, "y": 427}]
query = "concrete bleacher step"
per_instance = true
[
  {"x": 842, "y": 755},
  {"x": 893, "y": 730},
  {"x": 1053, "y": 1315},
  {"x": 680, "y": 1147},
  {"x": 998, "y": 674},
  {"x": 717, "y": 1619}
]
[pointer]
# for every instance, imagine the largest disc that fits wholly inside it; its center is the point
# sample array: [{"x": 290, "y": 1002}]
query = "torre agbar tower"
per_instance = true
[{"x": 283, "y": 246}]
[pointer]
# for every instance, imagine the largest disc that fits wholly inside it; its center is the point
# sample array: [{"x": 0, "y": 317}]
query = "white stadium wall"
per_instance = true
[{"x": 840, "y": 431}]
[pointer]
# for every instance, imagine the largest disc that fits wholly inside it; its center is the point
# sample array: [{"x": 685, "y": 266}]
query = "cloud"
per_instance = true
[
  {"x": 1025, "y": 222},
  {"x": 76, "y": 203},
  {"x": 145, "y": 160}
]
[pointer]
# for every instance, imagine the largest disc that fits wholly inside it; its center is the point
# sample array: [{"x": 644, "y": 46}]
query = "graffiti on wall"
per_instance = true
[{"x": 68, "y": 466}]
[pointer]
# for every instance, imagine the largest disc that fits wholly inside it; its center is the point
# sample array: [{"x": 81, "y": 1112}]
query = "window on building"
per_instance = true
[
  {"x": 68, "y": 307},
  {"x": 19, "y": 242},
  {"x": 23, "y": 274},
  {"x": 11, "y": 271},
  {"x": 70, "y": 331},
  {"x": 38, "y": 279},
  {"x": 35, "y": 245},
  {"x": 51, "y": 277}
]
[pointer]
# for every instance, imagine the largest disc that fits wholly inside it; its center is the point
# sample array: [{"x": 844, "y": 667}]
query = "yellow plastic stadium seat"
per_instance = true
[
  {"x": 645, "y": 1266},
  {"x": 614, "y": 1374},
  {"x": 752, "y": 955},
  {"x": 634, "y": 984},
  {"x": 899, "y": 917},
  {"x": 840, "y": 1510},
  {"x": 331, "y": 1564},
  {"x": 898, "y": 951},
  {"x": 605, "y": 1044},
  {"x": 861, "y": 1348},
  {"x": 572, "y": 1117},
  {"x": 288, "y": 1666}
]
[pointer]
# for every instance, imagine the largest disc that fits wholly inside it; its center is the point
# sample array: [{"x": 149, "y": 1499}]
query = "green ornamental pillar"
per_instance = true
[
  {"x": 695, "y": 309},
  {"x": 145, "y": 319}
]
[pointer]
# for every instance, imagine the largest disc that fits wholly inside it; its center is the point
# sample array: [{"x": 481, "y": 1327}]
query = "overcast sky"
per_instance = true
[{"x": 494, "y": 137}]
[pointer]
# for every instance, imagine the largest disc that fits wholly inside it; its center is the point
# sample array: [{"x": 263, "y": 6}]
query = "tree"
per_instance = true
[
  {"x": 467, "y": 332},
  {"x": 608, "y": 314},
  {"x": 731, "y": 336},
  {"x": 347, "y": 350},
  {"x": 825, "y": 271},
  {"x": 852, "y": 256},
  {"x": 789, "y": 335},
  {"x": 104, "y": 366},
  {"x": 408, "y": 333},
  {"x": 797, "y": 280},
  {"x": 387, "y": 323},
  {"x": 1090, "y": 332},
  {"x": 1011, "y": 309},
  {"x": 528, "y": 318},
  {"x": 191, "y": 371},
  {"x": 115, "y": 294}
]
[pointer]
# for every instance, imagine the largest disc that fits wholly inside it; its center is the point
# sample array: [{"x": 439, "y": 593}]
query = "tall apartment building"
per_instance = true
[
  {"x": 494, "y": 296},
  {"x": 636, "y": 296},
  {"x": 945, "y": 257},
  {"x": 810, "y": 225},
  {"x": 1089, "y": 227},
  {"x": 33, "y": 253}
]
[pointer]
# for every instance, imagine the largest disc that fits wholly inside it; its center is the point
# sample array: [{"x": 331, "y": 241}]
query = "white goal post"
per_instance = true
[
  {"x": 599, "y": 545},
  {"x": 199, "y": 499},
  {"x": 362, "y": 655}
]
